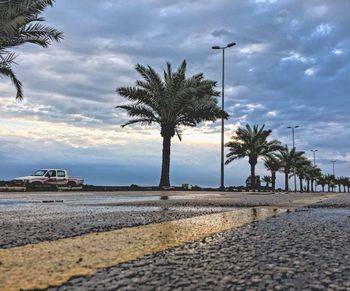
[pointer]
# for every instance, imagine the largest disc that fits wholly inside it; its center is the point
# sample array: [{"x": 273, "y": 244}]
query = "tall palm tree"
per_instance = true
[
  {"x": 20, "y": 23},
  {"x": 251, "y": 142},
  {"x": 288, "y": 159},
  {"x": 272, "y": 164},
  {"x": 171, "y": 102}
]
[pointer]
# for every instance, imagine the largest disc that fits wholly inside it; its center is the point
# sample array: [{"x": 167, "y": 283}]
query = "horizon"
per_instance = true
[{"x": 290, "y": 67}]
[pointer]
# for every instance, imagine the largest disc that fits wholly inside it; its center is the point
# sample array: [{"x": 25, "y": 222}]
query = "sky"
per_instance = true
[{"x": 290, "y": 67}]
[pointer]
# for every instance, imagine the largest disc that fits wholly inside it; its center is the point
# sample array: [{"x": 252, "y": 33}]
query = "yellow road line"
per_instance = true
[{"x": 53, "y": 263}]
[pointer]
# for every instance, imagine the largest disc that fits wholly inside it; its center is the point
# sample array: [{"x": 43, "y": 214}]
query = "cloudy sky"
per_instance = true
[{"x": 290, "y": 67}]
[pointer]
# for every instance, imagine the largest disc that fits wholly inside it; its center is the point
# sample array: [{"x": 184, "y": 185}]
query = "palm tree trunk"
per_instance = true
[
  {"x": 273, "y": 178},
  {"x": 312, "y": 185},
  {"x": 339, "y": 188},
  {"x": 164, "y": 179},
  {"x": 301, "y": 185},
  {"x": 286, "y": 181},
  {"x": 328, "y": 187},
  {"x": 308, "y": 186},
  {"x": 344, "y": 188},
  {"x": 252, "y": 176},
  {"x": 323, "y": 187}
]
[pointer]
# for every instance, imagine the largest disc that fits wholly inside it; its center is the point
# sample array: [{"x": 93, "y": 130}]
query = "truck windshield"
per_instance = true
[{"x": 39, "y": 173}]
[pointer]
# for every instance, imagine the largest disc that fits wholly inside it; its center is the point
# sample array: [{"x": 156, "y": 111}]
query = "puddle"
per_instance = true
[
  {"x": 110, "y": 199},
  {"x": 11, "y": 204}
]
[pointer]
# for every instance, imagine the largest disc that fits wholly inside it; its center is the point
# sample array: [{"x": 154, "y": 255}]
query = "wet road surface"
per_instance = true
[{"x": 306, "y": 247}]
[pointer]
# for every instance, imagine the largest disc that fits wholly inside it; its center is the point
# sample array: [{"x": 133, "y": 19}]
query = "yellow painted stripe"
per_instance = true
[{"x": 53, "y": 263}]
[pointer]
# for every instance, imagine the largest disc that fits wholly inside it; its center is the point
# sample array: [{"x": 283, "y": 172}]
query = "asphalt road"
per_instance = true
[{"x": 306, "y": 247}]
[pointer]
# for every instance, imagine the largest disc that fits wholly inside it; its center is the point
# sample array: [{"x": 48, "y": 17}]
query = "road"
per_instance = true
[{"x": 174, "y": 240}]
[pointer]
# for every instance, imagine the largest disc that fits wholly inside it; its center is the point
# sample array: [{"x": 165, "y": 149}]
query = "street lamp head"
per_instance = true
[
  {"x": 296, "y": 126},
  {"x": 231, "y": 44},
  {"x": 215, "y": 47}
]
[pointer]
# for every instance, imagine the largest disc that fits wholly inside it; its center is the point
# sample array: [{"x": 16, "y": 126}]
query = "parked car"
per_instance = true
[{"x": 56, "y": 177}]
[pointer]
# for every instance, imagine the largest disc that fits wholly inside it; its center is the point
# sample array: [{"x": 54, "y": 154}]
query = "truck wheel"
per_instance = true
[{"x": 71, "y": 184}]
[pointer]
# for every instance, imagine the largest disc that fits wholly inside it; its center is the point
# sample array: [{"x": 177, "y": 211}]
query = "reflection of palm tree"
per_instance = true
[
  {"x": 288, "y": 158},
  {"x": 173, "y": 102},
  {"x": 20, "y": 24},
  {"x": 251, "y": 142},
  {"x": 272, "y": 164}
]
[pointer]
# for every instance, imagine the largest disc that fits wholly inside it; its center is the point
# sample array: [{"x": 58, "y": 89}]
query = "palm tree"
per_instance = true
[
  {"x": 330, "y": 181},
  {"x": 347, "y": 183},
  {"x": 20, "y": 24},
  {"x": 251, "y": 142},
  {"x": 322, "y": 180},
  {"x": 272, "y": 164},
  {"x": 315, "y": 173},
  {"x": 288, "y": 159},
  {"x": 171, "y": 102},
  {"x": 338, "y": 181},
  {"x": 308, "y": 179},
  {"x": 267, "y": 180},
  {"x": 302, "y": 168}
]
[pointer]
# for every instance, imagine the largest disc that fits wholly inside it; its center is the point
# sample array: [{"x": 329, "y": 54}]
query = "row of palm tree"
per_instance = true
[
  {"x": 331, "y": 182},
  {"x": 252, "y": 143},
  {"x": 175, "y": 101}
]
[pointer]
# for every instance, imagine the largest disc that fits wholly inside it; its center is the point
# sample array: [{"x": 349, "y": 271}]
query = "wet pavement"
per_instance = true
[
  {"x": 308, "y": 246},
  {"x": 34, "y": 217},
  {"x": 304, "y": 250}
]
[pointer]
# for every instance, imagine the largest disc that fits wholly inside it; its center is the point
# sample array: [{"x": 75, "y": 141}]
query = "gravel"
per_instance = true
[{"x": 303, "y": 250}]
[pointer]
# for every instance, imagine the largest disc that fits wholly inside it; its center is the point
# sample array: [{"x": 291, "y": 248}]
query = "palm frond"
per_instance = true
[
  {"x": 7, "y": 71},
  {"x": 174, "y": 101}
]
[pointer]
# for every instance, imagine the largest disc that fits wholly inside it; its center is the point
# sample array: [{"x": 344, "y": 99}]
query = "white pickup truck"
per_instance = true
[{"x": 50, "y": 177}]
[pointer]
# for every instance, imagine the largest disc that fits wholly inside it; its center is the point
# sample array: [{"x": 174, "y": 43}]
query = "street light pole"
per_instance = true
[
  {"x": 314, "y": 151},
  {"x": 333, "y": 162},
  {"x": 295, "y": 178},
  {"x": 222, "y": 164}
]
